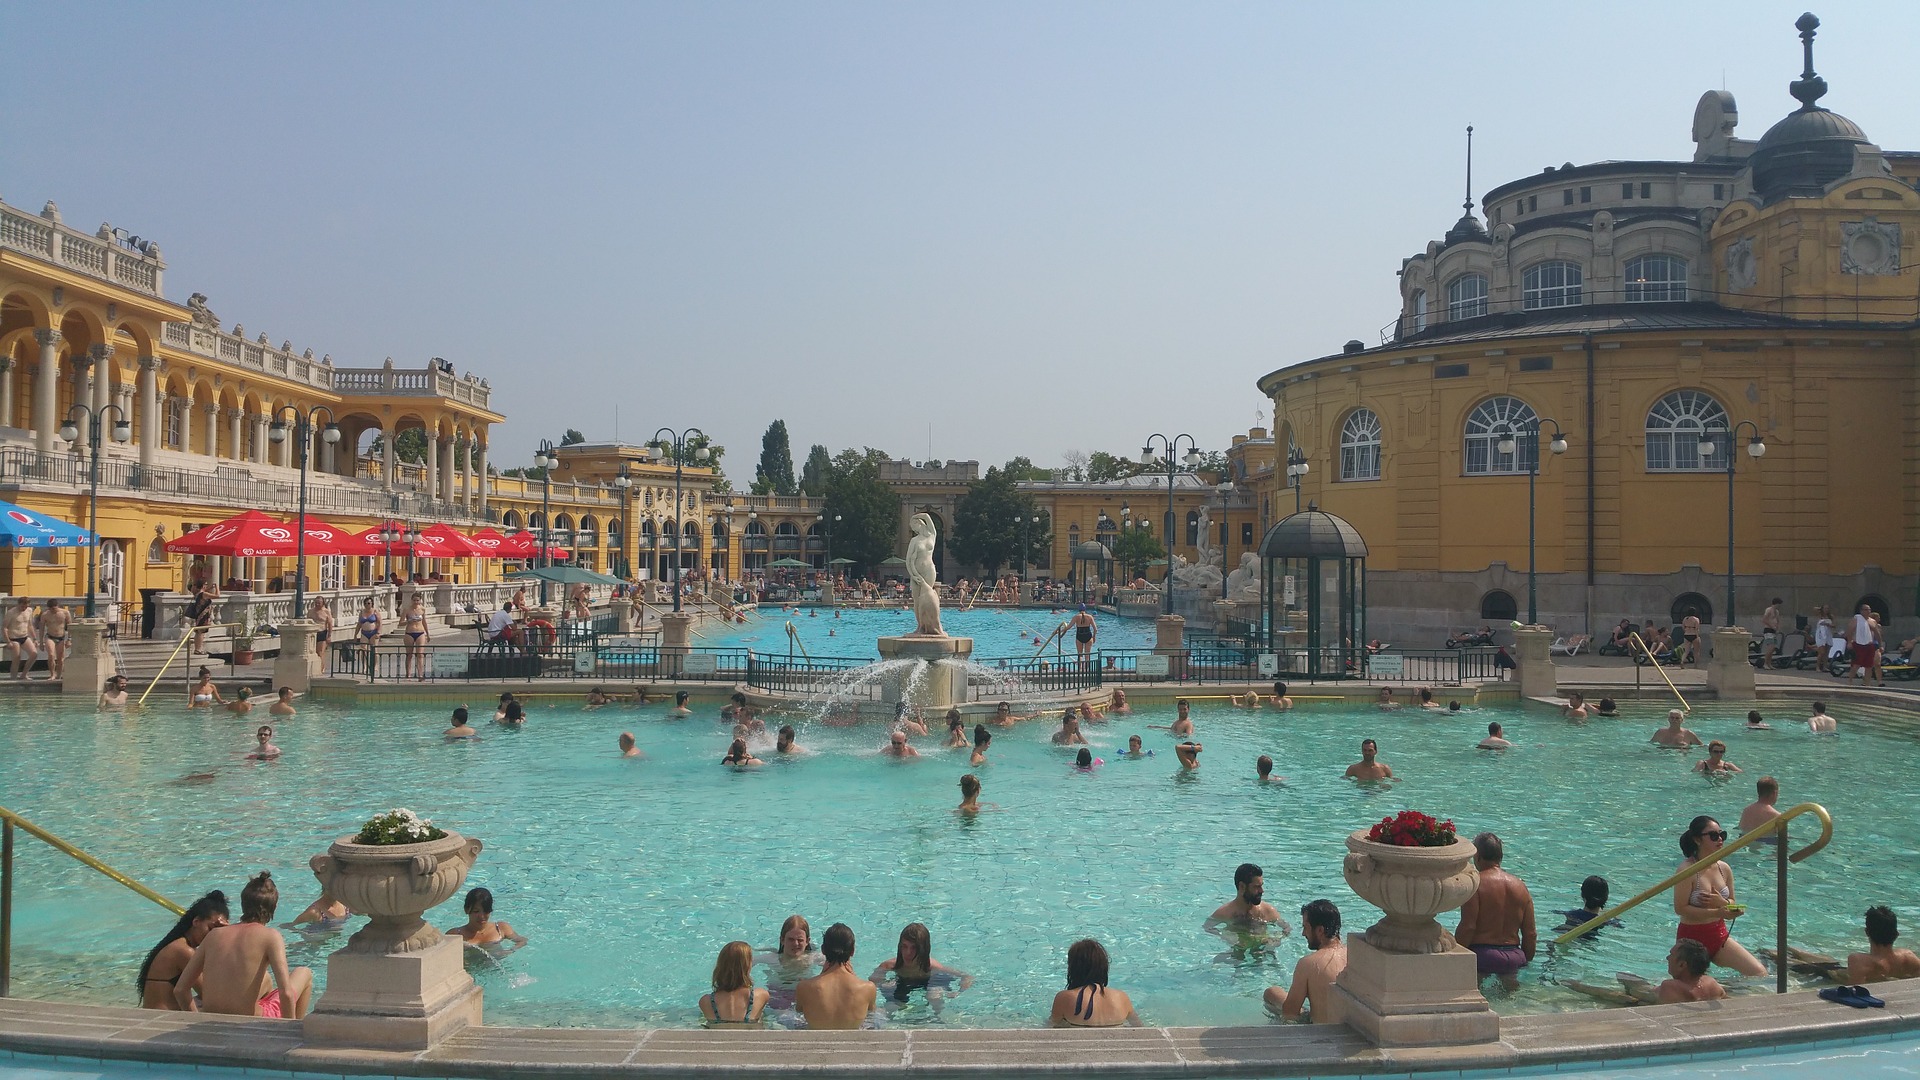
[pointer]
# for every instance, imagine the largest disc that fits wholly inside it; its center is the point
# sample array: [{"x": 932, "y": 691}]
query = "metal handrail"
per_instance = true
[
  {"x": 793, "y": 638},
  {"x": 1662, "y": 671},
  {"x": 8, "y": 821},
  {"x": 1777, "y": 825}
]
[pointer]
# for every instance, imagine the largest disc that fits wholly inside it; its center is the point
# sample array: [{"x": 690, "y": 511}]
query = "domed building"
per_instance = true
[{"x": 1727, "y": 347}]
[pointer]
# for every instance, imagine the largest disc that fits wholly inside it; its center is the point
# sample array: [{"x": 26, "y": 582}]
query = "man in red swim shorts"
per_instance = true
[
  {"x": 1497, "y": 921},
  {"x": 1864, "y": 634},
  {"x": 231, "y": 972}
]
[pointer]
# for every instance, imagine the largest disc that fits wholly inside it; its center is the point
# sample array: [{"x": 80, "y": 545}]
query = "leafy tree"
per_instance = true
[
  {"x": 1134, "y": 548},
  {"x": 774, "y": 474},
  {"x": 985, "y": 532},
  {"x": 814, "y": 474},
  {"x": 1023, "y": 468},
  {"x": 409, "y": 446},
  {"x": 869, "y": 510},
  {"x": 572, "y": 436},
  {"x": 1102, "y": 467},
  {"x": 1214, "y": 462}
]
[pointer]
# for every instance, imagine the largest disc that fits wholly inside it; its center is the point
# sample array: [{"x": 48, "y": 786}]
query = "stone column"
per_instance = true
[
  {"x": 7, "y": 367},
  {"x": 329, "y": 455},
  {"x": 676, "y": 631},
  {"x": 443, "y": 598},
  {"x": 480, "y": 469},
  {"x": 295, "y": 667},
  {"x": 1729, "y": 674},
  {"x": 186, "y": 426},
  {"x": 46, "y": 390},
  {"x": 212, "y": 409},
  {"x": 1533, "y": 652},
  {"x": 386, "y": 458},
  {"x": 446, "y": 472},
  {"x": 89, "y": 663},
  {"x": 260, "y": 443},
  {"x": 152, "y": 420},
  {"x": 102, "y": 374},
  {"x": 433, "y": 466},
  {"x": 235, "y": 447},
  {"x": 83, "y": 368}
]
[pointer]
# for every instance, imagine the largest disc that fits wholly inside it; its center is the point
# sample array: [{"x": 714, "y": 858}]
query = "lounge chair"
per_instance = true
[{"x": 1570, "y": 645}]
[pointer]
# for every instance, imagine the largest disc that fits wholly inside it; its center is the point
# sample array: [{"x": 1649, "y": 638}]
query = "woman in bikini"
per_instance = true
[
  {"x": 321, "y": 611},
  {"x": 481, "y": 929},
  {"x": 735, "y": 1001},
  {"x": 795, "y": 959},
  {"x": 739, "y": 756},
  {"x": 368, "y": 627},
  {"x": 167, "y": 960},
  {"x": 204, "y": 694},
  {"x": 1088, "y": 1001},
  {"x": 417, "y": 638},
  {"x": 914, "y": 968},
  {"x": 1705, "y": 901}
]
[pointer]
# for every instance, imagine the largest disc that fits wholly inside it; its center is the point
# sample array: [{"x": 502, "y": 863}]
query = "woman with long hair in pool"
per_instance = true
[
  {"x": 481, "y": 928},
  {"x": 956, "y": 730},
  {"x": 982, "y": 738},
  {"x": 794, "y": 959},
  {"x": 735, "y": 1001},
  {"x": 1705, "y": 900},
  {"x": 204, "y": 694},
  {"x": 1088, "y": 1001},
  {"x": 738, "y": 756},
  {"x": 164, "y": 963},
  {"x": 914, "y": 968}
]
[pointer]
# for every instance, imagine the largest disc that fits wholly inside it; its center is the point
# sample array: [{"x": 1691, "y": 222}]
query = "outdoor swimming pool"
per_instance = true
[
  {"x": 996, "y": 633},
  {"x": 629, "y": 875}
]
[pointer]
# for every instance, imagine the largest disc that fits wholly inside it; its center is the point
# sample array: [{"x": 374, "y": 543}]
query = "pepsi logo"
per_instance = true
[{"x": 23, "y": 517}]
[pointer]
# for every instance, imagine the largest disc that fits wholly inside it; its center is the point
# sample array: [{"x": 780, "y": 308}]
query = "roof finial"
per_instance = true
[
  {"x": 1809, "y": 87},
  {"x": 1468, "y": 204}
]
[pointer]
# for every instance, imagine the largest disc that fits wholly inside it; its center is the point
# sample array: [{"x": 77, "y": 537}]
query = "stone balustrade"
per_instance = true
[
  {"x": 258, "y": 355},
  {"x": 104, "y": 255}
]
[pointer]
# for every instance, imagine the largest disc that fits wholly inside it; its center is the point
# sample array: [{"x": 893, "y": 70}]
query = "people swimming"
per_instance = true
[
  {"x": 734, "y": 1001},
  {"x": 263, "y": 749},
  {"x": 461, "y": 727},
  {"x": 794, "y": 958},
  {"x": 914, "y": 968},
  {"x": 982, "y": 738},
  {"x": 1369, "y": 769},
  {"x": 482, "y": 929},
  {"x": 784, "y": 743},
  {"x": 629, "y": 746},
  {"x": 969, "y": 795},
  {"x": 739, "y": 757}
]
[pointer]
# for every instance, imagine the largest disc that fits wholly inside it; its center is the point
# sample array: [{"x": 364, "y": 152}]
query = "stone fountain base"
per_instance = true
[{"x": 942, "y": 687}]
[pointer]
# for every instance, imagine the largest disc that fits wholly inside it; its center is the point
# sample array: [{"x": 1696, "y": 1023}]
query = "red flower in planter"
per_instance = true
[{"x": 1411, "y": 828}]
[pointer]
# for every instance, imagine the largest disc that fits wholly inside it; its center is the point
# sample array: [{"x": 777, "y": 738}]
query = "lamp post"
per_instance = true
[
  {"x": 1169, "y": 458},
  {"x": 122, "y": 431},
  {"x": 1025, "y": 521},
  {"x": 303, "y": 432},
  {"x": 1226, "y": 494},
  {"x": 406, "y": 534},
  {"x": 1756, "y": 449},
  {"x": 1509, "y": 443},
  {"x": 677, "y": 440},
  {"x": 826, "y": 527},
  {"x": 545, "y": 459},
  {"x": 1297, "y": 468}
]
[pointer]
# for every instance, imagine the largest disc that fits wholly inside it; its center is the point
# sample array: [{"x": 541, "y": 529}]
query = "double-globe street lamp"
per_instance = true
[
  {"x": 1710, "y": 441},
  {"x": 302, "y": 428},
  {"x": 1508, "y": 444},
  {"x": 1226, "y": 495},
  {"x": 1297, "y": 468},
  {"x": 70, "y": 431},
  {"x": 668, "y": 441},
  {"x": 826, "y": 528},
  {"x": 1168, "y": 457},
  {"x": 545, "y": 460}
]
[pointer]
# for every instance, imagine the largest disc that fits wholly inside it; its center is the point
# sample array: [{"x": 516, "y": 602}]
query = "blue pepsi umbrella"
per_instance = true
[{"x": 20, "y": 527}]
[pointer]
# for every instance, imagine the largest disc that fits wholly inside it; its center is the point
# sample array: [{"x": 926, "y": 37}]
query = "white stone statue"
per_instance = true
[
  {"x": 1205, "y": 553},
  {"x": 1243, "y": 585},
  {"x": 925, "y": 579},
  {"x": 1194, "y": 576}
]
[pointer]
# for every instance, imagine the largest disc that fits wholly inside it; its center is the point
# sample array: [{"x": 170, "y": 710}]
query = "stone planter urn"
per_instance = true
[
  {"x": 394, "y": 885},
  {"x": 1411, "y": 885}
]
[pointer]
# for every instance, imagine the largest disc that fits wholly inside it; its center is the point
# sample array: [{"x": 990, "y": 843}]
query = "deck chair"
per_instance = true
[{"x": 1569, "y": 646}]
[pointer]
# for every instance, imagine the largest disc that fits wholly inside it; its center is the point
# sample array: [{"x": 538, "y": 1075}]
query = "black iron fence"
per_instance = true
[
  {"x": 808, "y": 675},
  {"x": 1014, "y": 676},
  {"x": 1223, "y": 660}
]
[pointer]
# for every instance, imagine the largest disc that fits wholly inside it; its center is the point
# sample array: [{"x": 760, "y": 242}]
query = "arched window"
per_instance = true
[
  {"x": 1875, "y": 604},
  {"x": 755, "y": 528},
  {"x": 691, "y": 532},
  {"x": 536, "y": 520},
  {"x": 1654, "y": 279},
  {"x": 511, "y": 519},
  {"x": 1193, "y": 528},
  {"x": 1692, "y": 604},
  {"x": 1676, "y": 426},
  {"x": 719, "y": 533},
  {"x": 1360, "y": 446},
  {"x": 1550, "y": 285},
  {"x": 1419, "y": 309},
  {"x": 1491, "y": 421},
  {"x": 616, "y": 536},
  {"x": 1467, "y": 297},
  {"x": 1498, "y": 607},
  {"x": 786, "y": 528}
]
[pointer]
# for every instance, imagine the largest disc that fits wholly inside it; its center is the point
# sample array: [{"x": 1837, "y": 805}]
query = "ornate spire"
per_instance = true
[
  {"x": 1468, "y": 204},
  {"x": 1809, "y": 87},
  {"x": 1468, "y": 227}
]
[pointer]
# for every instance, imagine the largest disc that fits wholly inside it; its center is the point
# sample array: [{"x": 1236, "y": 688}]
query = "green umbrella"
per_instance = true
[
  {"x": 568, "y": 575},
  {"x": 842, "y": 562},
  {"x": 788, "y": 564},
  {"x": 893, "y": 561}
]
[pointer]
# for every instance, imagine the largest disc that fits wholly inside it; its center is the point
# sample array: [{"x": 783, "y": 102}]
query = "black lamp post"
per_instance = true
[
  {"x": 826, "y": 528},
  {"x": 394, "y": 532},
  {"x": 1297, "y": 468},
  {"x": 1025, "y": 521},
  {"x": 1756, "y": 449},
  {"x": 677, "y": 440},
  {"x": 1168, "y": 458},
  {"x": 122, "y": 431},
  {"x": 303, "y": 434},
  {"x": 1508, "y": 444},
  {"x": 545, "y": 459},
  {"x": 1226, "y": 530}
]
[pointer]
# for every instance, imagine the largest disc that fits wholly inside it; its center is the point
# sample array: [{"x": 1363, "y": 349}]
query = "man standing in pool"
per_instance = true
[
  {"x": 1674, "y": 736},
  {"x": 1248, "y": 911},
  {"x": 1367, "y": 769},
  {"x": 1084, "y": 633},
  {"x": 836, "y": 999},
  {"x": 1497, "y": 921},
  {"x": 1314, "y": 975}
]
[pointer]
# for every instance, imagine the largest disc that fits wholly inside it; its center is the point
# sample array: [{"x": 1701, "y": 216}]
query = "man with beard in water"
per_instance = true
[{"x": 1244, "y": 920}]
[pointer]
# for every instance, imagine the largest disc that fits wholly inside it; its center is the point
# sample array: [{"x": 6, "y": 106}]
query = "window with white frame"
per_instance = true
[
  {"x": 1360, "y": 446},
  {"x": 1497, "y": 420},
  {"x": 1467, "y": 297},
  {"x": 1655, "y": 279},
  {"x": 1677, "y": 425},
  {"x": 1550, "y": 285},
  {"x": 1419, "y": 309},
  {"x": 333, "y": 572},
  {"x": 176, "y": 420}
]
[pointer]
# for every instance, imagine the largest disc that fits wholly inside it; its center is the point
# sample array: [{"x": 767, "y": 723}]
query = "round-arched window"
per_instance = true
[
  {"x": 511, "y": 519},
  {"x": 1495, "y": 420},
  {"x": 1550, "y": 285},
  {"x": 1498, "y": 606},
  {"x": 1467, "y": 297},
  {"x": 1692, "y": 604},
  {"x": 1193, "y": 528},
  {"x": 1654, "y": 279},
  {"x": 1875, "y": 604},
  {"x": 1676, "y": 427},
  {"x": 1360, "y": 446},
  {"x": 1419, "y": 308}
]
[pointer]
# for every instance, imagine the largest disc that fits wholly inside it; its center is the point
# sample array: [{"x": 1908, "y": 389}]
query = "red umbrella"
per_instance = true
[
  {"x": 490, "y": 543},
  {"x": 450, "y": 543},
  {"x": 371, "y": 543},
  {"x": 255, "y": 535},
  {"x": 325, "y": 539},
  {"x": 522, "y": 545}
]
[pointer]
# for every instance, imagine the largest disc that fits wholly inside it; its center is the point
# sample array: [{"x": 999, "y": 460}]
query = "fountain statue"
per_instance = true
[
  {"x": 925, "y": 579},
  {"x": 1243, "y": 585}
]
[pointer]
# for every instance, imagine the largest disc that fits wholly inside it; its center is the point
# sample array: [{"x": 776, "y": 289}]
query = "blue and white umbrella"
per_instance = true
[{"x": 20, "y": 527}]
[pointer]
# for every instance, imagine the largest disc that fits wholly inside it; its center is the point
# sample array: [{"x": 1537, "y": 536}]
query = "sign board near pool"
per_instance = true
[
  {"x": 1150, "y": 665},
  {"x": 1269, "y": 663},
  {"x": 447, "y": 663},
  {"x": 699, "y": 663},
  {"x": 1387, "y": 663},
  {"x": 583, "y": 660}
]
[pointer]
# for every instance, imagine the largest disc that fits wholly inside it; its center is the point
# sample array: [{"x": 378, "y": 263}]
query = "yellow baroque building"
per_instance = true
[{"x": 1669, "y": 318}]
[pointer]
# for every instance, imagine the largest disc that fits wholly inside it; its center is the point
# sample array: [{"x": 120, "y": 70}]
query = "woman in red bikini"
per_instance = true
[{"x": 1705, "y": 901}]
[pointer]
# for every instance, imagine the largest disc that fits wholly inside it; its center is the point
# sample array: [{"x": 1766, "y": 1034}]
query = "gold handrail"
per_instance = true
[
  {"x": 184, "y": 639},
  {"x": 13, "y": 819},
  {"x": 793, "y": 636},
  {"x": 1662, "y": 672},
  {"x": 1777, "y": 825}
]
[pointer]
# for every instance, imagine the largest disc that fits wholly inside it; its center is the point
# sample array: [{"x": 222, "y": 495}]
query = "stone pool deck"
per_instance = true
[{"x": 1666, "y": 1033}]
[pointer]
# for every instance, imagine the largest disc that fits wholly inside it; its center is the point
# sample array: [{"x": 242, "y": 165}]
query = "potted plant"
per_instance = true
[
  {"x": 397, "y": 867},
  {"x": 1413, "y": 867}
]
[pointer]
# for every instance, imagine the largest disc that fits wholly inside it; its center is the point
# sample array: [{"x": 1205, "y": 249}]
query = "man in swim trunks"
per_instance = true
[
  {"x": 231, "y": 966},
  {"x": 1084, "y": 633},
  {"x": 1497, "y": 921},
  {"x": 1882, "y": 961},
  {"x": 836, "y": 999},
  {"x": 1769, "y": 633},
  {"x": 1494, "y": 739},
  {"x": 1314, "y": 975},
  {"x": 1820, "y": 723},
  {"x": 20, "y": 637},
  {"x": 1367, "y": 769},
  {"x": 897, "y": 746},
  {"x": 1674, "y": 736},
  {"x": 54, "y": 621},
  {"x": 1864, "y": 632}
]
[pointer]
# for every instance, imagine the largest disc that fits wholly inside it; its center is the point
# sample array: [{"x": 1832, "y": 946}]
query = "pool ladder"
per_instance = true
[
  {"x": 9, "y": 821},
  {"x": 1777, "y": 826}
]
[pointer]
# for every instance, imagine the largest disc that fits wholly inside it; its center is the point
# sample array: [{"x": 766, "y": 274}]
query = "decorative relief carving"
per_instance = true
[
  {"x": 1743, "y": 270},
  {"x": 1870, "y": 247}
]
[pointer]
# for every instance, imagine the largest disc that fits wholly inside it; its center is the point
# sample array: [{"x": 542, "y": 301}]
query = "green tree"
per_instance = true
[
  {"x": 1073, "y": 466},
  {"x": 1134, "y": 548},
  {"x": 774, "y": 474},
  {"x": 1102, "y": 467},
  {"x": 869, "y": 510},
  {"x": 409, "y": 446},
  {"x": 815, "y": 473},
  {"x": 986, "y": 529},
  {"x": 1023, "y": 468},
  {"x": 572, "y": 436}
]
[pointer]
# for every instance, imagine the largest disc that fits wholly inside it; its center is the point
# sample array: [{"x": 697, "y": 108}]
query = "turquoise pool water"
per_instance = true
[
  {"x": 628, "y": 875},
  {"x": 997, "y": 633}
]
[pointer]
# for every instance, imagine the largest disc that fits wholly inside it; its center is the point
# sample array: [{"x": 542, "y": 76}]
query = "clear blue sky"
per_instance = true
[{"x": 1034, "y": 226}]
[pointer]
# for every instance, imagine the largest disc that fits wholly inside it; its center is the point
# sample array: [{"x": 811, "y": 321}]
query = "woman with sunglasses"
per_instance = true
[{"x": 1705, "y": 900}]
